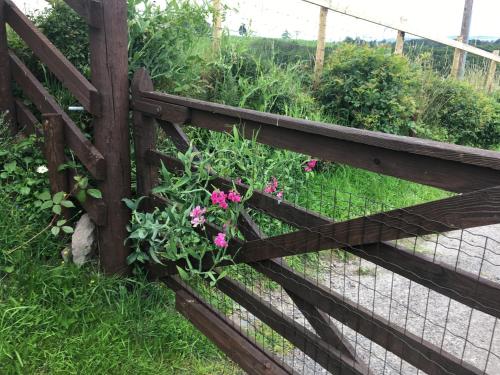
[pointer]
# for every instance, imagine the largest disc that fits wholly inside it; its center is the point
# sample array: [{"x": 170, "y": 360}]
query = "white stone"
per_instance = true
[{"x": 83, "y": 241}]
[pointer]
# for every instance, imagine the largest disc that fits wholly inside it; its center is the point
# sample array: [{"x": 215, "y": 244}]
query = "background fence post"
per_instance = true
[
  {"x": 320, "y": 48},
  {"x": 456, "y": 60},
  {"x": 109, "y": 67},
  {"x": 53, "y": 131},
  {"x": 464, "y": 33},
  {"x": 400, "y": 41},
  {"x": 490, "y": 78},
  {"x": 6, "y": 99},
  {"x": 144, "y": 139},
  {"x": 217, "y": 25}
]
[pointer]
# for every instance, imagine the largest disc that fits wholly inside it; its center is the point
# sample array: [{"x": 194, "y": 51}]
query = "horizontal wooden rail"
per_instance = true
[
  {"x": 462, "y": 286},
  {"x": 252, "y": 358},
  {"x": 57, "y": 63},
  {"x": 413, "y": 349},
  {"x": 89, "y": 10},
  {"x": 460, "y": 212},
  {"x": 450, "y": 167},
  {"x": 90, "y": 157}
]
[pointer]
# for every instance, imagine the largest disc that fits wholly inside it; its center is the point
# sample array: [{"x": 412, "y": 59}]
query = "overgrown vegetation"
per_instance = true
[{"x": 58, "y": 319}]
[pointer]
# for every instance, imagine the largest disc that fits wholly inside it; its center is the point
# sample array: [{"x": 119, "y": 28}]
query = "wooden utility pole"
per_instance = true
[
  {"x": 217, "y": 25},
  {"x": 464, "y": 33},
  {"x": 6, "y": 99},
  {"x": 320, "y": 48},
  {"x": 490, "y": 78},
  {"x": 456, "y": 61},
  {"x": 400, "y": 41},
  {"x": 109, "y": 67}
]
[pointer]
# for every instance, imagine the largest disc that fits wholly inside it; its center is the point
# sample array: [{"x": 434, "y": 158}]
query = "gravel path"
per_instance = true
[{"x": 436, "y": 318}]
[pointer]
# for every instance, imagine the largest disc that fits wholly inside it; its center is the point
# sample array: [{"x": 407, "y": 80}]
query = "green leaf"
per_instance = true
[
  {"x": 56, "y": 209},
  {"x": 94, "y": 193},
  {"x": 81, "y": 196},
  {"x": 46, "y": 205},
  {"x": 183, "y": 274},
  {"x": 25, "y": 190},
  {"x": 45, "y": 196},
  {"x": 67, "y": 229},
  {"x": 58, "y": 197},
  {"x": 61, "y": 222},
  {"x": 55, "y": 230},
  {"x": 67, "y": 204}
]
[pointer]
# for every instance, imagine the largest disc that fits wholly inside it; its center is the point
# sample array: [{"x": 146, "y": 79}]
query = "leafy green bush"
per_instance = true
[
  {"x": 459, "y": 113},
  {"x": 368, "y": 88}
]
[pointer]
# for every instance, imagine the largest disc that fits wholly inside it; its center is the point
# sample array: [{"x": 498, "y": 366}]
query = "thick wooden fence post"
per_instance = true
[
  {"x": 6, "y": 99},
  {"x": 400, "y": 41},
  {"x": 53, "y": 131},
  {"x": 109, "y": 66},
  {"x": 144, "y": 138},
  {"x": 217, "y": 25},
  {"x": 320, "y": 48},
  {"x": 490, "y": 78}
]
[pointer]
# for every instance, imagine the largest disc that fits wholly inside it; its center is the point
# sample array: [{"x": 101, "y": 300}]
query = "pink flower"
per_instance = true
[
  {"x": 219, "y": 197},
  {"x": 220, "y": 241},
  {"x": 311, "y": 164},
  {"x": 198, "y": 211},
  {"x": 197, "y": 216},
  {"x": 271, "y": 186},
  {"x": 234, "y": 196},
  {"x": 199, "y": 220}
]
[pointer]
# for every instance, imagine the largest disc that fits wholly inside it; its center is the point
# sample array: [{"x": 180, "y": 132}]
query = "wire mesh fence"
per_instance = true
[{"x": 421, "y": 312}]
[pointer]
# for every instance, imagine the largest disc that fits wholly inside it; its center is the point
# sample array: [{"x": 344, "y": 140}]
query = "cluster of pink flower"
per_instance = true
[
  {"x": 218, "y": 198},
  {"x": 197, "y": 216},
  {"x": 272, "y": 187},
  {"x": 220, "y": 241},
  {"x": 310, "y": 165}
]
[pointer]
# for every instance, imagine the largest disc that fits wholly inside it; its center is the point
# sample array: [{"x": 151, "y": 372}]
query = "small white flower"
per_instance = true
[{"x": 42, "y": 169}]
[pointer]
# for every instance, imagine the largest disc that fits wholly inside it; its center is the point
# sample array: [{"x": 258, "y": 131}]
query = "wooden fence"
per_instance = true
[
  {"x": 472, "y": 173},
  {"x": 334, "y": 331},
  {"x": 105, "y": 97}
]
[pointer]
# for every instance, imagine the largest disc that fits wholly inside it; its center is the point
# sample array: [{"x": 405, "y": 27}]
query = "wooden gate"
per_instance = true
[
  {"x": 106, "y": 98},
  {"x": 337, "y": 332}
]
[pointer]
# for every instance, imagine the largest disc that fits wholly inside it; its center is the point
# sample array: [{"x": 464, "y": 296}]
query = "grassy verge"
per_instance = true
[{"x": 55, "y": 318}]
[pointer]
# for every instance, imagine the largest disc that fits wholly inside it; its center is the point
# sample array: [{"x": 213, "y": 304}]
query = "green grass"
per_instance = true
[{"x": 57, "y": 319}]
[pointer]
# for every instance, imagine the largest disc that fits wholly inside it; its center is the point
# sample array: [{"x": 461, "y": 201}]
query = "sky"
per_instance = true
[{"x": 272, "y": 17}]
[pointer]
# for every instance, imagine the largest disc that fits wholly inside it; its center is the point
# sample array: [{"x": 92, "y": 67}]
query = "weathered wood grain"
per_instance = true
[
  {"x": 53, "y": 131},
  {"x": 109, "y": 70},
  {"x": 144, "y": 132},
  {"x": 26, "y": 120}
]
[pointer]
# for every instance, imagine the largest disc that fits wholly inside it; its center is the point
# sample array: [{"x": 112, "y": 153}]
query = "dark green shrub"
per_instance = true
[
  {"x": 368, "y": 88},
  {"x": 467, "y": 116}
]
